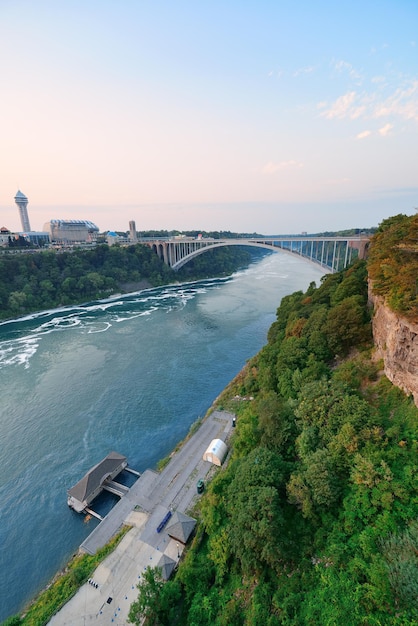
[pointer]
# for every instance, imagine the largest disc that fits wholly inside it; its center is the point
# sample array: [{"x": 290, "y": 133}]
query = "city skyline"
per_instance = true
[{"x": 273, "y": 117}]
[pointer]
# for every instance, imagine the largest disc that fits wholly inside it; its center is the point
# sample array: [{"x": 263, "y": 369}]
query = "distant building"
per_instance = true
[
  {"x": 22, "y": 202},
  {"x": 112, "y": 238},
  {"x": 71, "y": 231},
  {"x": 5, "y": 235},
  {"x": 132, "y": 232},
  {"x": 40, "y": 239}
]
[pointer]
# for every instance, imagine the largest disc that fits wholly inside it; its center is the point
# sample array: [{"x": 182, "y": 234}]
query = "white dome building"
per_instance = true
[{"x": 216, "y": 452}]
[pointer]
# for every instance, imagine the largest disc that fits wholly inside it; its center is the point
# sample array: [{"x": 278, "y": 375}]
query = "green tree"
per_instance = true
[
  {"x": 347, "y": 325},
  {"x": 255, "y": 509},
  {"x": 275, "y": 420},
  {"x": 401, "y": 556},
  {"x": 156, "y": 601},
  {"x": 16, "y": 303}
]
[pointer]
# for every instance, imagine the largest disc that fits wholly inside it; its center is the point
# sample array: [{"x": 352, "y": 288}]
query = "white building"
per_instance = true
[
  {"x": 216, "y": 452},
  {"x": 71, "y": 231}
]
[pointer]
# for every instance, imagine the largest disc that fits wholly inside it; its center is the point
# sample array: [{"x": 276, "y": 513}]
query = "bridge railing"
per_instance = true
[{"x": 332, "y": 253}]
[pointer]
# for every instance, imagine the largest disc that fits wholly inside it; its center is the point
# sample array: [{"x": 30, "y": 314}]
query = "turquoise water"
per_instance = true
[{"x": 131, "y": 374}]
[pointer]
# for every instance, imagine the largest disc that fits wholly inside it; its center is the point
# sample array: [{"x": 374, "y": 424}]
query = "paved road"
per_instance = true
[
  {"x": 146, "y": 504},
  {"x": 174, "y": 488}
]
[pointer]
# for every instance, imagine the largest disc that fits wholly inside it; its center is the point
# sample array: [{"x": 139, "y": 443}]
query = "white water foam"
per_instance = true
[{"x": 18, "y": 352}]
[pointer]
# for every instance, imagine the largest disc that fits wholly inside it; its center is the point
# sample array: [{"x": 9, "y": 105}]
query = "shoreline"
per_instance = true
[
  {"x": 135, "y": 521},
  {"x": 161, "y": 464}
]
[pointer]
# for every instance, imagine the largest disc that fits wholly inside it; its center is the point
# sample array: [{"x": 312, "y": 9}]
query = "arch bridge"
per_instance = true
[{"x": 331, "y": 253}]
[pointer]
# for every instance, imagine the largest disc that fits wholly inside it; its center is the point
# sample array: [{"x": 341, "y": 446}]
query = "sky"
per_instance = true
[{"x": 260, "y": 116}]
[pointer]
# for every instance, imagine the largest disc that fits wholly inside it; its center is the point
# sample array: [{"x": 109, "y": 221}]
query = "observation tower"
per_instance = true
[{"x": 22, "y": 202}]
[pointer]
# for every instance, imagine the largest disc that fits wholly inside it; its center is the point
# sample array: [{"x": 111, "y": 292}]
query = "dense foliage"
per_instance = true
[
  {"x": 41, "y": 280},
  {"x": 313, "y": 520},
  {"x": 393, "y": 264}
]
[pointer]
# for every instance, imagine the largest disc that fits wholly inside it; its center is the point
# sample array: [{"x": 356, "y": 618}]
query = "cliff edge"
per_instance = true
[{"x": 396, "y": 341}]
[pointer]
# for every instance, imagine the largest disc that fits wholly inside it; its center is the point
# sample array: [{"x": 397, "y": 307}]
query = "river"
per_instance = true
[{"x": 129, "y": 374}]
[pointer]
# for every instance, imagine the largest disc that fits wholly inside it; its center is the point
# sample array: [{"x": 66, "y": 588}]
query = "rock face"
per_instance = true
[{"x": 396, "y": 341}]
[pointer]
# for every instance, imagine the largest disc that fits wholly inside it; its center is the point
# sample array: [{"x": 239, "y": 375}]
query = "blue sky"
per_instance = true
[{"x": 275, "y": 117}]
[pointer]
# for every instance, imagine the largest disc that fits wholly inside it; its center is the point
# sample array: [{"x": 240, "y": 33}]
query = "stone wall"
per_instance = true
[{"x": 396, "y": 341}]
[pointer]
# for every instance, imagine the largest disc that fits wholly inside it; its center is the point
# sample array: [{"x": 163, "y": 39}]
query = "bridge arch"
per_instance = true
[
  {"x": 331, "y": 253},
  {"x": 221, "y": 244}
]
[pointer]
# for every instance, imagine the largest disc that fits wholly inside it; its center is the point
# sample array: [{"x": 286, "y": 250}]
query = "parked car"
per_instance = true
[{"x": 200, "y": 486}]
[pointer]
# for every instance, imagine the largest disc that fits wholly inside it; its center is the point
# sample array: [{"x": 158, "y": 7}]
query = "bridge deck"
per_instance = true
[{"x": 332, "y": 253}]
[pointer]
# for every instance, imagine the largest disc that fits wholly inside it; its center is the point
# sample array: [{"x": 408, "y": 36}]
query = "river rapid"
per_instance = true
[{"x": 129, "y": 374}]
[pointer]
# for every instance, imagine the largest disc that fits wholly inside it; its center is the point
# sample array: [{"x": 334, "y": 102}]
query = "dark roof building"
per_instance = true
[
  {"x": 167, "y": 565},
  {"x": 180, "y": 527},
  {"x": 82, "y": 494}
]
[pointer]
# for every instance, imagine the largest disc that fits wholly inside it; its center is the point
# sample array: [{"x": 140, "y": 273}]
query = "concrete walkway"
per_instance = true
[{"x": 146, "y": 504}]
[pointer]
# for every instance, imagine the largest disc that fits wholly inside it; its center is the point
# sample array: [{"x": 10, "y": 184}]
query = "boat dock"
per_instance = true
[{"x": 99, "y": 478}]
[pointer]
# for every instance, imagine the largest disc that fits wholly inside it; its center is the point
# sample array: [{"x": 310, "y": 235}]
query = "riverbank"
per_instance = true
[{"x": 152, "y": 496}]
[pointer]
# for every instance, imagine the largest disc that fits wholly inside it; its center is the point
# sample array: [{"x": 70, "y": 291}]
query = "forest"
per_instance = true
[
  {"x": 313, "y": 519},
  {"x": 40, "y": 280}
]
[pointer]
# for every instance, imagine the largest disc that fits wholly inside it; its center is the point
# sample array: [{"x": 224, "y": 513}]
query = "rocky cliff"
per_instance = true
[{"x": 396, "y": 341}]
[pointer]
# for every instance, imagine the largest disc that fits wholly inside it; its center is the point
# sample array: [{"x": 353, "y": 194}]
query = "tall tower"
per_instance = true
[
  {"x": 132, "y": 231},
  {"x": 22, "y": 202}
]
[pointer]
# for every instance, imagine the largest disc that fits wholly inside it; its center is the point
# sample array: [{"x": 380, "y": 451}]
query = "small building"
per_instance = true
[
  {"x": 112, "y": 238},
  {"x": 4, "y": 236},
  {"x": 180, "y": 527},
  {"x": 216, "y": 452},
  {"x": 167, "y": 566},
  {"x": 84, "y": 492}
]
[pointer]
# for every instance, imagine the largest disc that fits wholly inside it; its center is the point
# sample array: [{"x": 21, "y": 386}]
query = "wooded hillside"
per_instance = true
[{"x": 313, "y": 520}]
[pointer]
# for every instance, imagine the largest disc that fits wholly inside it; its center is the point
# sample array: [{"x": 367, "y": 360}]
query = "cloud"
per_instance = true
[
  {"x": 272, "y": 168},
  {"x": 344, "y": 66},
  {"x": 403, "y": 103},
  {"x": 278, "y": 73},
  {"x": 304, "y": 70},
  {"x": 385, "y": 129},
  {"x": 364, "y": 134},
  {"x": 345, "y": 106}
]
